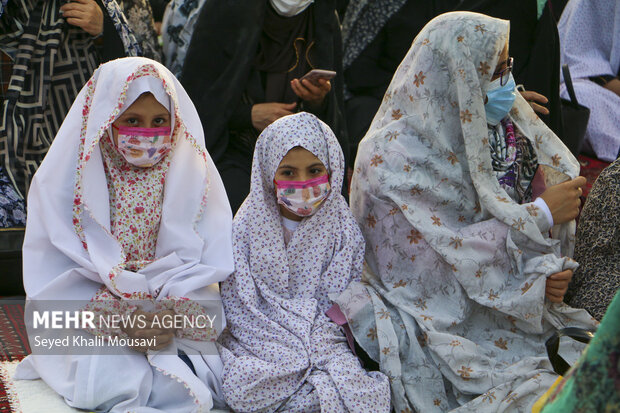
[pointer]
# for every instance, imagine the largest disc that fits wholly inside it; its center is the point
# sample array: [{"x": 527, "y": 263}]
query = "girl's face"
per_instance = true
[
  {"x": 145, "y": 112},
  {"x": 298, "y": 164}
]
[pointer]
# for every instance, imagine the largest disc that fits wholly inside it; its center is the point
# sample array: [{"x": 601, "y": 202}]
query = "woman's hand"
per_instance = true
[
  {"x": 532, "y": 98},
  {"x": 264, "y": 114},
  {"x": 313, "y": 93},
  {"x": 163, "y": 336},
  {"x": 563, "y": 199},
  {"x": 85, "y": 14},
  {"x": 613, "y": 85},
  {"x": 557, "y": 285}
]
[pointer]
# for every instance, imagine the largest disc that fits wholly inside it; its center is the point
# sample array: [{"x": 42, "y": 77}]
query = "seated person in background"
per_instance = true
[
  {"x": 590, "y": 40},
  {"x": 128, "y": 205},
  {"x": 296, "y": 245},
  {"x": 242, "y": 70},
  {"x": 377, "y": 34},
  {"x": 462, "y": 283},
  {"x": 597, "y": 249}
]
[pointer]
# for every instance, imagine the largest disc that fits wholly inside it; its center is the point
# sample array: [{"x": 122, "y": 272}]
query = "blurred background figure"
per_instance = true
[
  {"x": 590, "y": 39},
  {"x": 242, "y": 71},
  {"x": 178, "y": 25}
]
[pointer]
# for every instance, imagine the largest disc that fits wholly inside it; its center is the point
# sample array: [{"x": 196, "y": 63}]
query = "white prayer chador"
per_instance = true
[
  {"x": 590, "y": 41},
  {"x": 281, "y": 352},
  {"x": 452, "y": 303},
  {"x": 70, "y": 252}
]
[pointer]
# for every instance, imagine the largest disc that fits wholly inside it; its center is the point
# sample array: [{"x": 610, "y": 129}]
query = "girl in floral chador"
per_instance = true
[{"x": 295, "y": 245}]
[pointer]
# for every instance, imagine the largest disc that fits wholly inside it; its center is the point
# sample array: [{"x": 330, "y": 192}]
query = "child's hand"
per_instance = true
[
  {"x": 557, "y": 285},
  {"x": 163, "y": 336},
  {"x": 85, "y": 14}
]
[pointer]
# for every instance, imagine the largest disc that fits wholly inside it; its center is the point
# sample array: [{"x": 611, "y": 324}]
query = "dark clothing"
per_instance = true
[
  {"x": 370, "y": 73},
  {"x": 159, "y": 7},
  {"x": 597, "y": 249},
  {"x": 111, "y": 46},
  {"x": 225, "y": 77},
  {"x": 534, "y": 44}
]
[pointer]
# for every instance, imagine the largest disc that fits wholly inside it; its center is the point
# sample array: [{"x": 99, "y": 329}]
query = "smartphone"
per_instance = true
[{"x": 315, "y": 74}]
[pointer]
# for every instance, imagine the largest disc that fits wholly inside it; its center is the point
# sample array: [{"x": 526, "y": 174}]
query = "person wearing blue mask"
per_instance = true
[{"x": 464, "y": 277}]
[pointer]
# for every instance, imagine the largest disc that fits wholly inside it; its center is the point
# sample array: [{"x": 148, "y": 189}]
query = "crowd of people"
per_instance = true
[{"x": 404, "y": 234}]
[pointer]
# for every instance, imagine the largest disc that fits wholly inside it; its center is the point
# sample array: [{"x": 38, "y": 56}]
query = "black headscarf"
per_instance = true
[
  {"x": 284, "y": 52},
  {"x": 223, "y": 52}
]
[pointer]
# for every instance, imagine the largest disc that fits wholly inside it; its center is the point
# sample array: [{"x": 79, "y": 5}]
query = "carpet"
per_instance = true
[
  {"x": 30, "y": 396},
  {"x": 24, "y": 396},
  {"x": 590, "y": 169}
]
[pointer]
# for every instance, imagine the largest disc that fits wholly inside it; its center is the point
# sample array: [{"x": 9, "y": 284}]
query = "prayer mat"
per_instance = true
[{"x": 590, "y": 169}]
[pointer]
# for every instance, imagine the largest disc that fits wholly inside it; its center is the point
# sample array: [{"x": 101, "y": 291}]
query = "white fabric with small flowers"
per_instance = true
[
  {"x": 281, "y": 352},
  {"x": 452, "y": 303}
]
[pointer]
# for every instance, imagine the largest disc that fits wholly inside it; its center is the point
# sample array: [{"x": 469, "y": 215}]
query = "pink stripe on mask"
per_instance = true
[
  {"x": 148, "y": 132},
  {"x": 302, "y": 184}
]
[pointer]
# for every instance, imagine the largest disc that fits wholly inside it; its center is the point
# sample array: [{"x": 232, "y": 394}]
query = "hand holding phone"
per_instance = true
[{"x": 315, "y": 74}]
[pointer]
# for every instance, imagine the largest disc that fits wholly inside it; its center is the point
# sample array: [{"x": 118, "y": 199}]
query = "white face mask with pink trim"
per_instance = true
[
  {"x": 303, "y": 198},
  {"x": 143, "y": 147}
]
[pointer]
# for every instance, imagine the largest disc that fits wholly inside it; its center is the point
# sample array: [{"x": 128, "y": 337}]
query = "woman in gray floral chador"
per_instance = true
[{"x": 459, "y": 261}]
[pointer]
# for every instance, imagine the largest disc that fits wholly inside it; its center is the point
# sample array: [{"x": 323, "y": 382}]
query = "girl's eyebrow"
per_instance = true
[
  {"x": 317, "y": 164},
  {"x": 137, "y": 115},
  {"x": 286, "y": 167}
]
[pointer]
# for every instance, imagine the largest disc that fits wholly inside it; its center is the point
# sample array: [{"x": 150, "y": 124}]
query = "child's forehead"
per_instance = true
[{"x": 300, "y": 155}]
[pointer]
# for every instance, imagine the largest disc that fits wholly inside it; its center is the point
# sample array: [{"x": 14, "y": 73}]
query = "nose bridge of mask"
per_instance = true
[{"x": 302, "y": 184}]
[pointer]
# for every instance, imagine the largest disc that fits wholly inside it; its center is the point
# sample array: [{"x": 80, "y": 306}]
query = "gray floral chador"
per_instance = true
[{"x": 452, "y": 302}]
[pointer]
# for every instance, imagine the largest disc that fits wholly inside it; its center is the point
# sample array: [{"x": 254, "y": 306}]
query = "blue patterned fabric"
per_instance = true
[{"x": 12, "y": 210}]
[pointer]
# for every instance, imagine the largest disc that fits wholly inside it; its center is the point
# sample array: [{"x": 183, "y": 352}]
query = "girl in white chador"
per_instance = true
[
  {"x": 128, "y": 205},
  {"x": 462, "y": 277}
]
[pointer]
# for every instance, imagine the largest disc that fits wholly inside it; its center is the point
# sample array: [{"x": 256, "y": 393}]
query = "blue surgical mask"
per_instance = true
[{"x": 500, "y": 100}]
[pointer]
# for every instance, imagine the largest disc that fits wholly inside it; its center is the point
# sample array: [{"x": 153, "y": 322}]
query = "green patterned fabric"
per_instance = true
[{"x": 593, "y": 384}]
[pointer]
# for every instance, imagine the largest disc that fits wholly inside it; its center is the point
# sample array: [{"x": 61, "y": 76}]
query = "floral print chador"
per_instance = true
[
  {"x": 452, "y": 302},
  {"x": 281, "y": 351}
]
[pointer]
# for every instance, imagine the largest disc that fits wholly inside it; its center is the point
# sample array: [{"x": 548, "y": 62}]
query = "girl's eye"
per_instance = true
[
  {"x": 131, "y": 121},
  {"x": 315, "y": 171},
  {"x": 159, "y": 121},
  {"x": 287, "y": 173}
]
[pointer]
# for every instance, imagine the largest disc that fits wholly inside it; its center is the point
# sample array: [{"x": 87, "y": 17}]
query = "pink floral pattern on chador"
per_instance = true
[
  {"x": 281, "y": 352},
  {"x": 136, "y": 195}
]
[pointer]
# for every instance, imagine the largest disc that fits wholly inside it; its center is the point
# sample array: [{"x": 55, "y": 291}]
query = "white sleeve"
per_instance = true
[{"x": 540, "y": 203}]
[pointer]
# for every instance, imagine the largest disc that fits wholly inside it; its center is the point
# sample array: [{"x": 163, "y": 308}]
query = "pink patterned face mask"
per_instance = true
[
  {"x": 143, "y": 147},
  {"x": 302, "y": 198}
]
